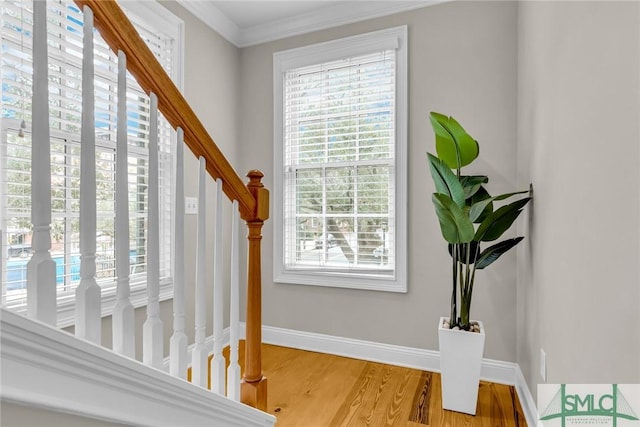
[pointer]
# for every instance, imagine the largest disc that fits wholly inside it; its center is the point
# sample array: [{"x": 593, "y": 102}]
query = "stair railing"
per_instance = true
[{"x": 250, "y": 202}]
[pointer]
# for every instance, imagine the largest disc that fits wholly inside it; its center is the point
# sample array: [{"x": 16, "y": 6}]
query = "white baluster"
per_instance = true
[
  {"x": 218, "y": 362},
  {"x": 41, "y": 269},
  {"x": 88, "y": 293},
  {"x": 178, "y": 343},
  {"x": 152, "y": 352},
  {"x": 123, "y": 320},
  {"x": 199, "y": 355},
  {"x": 233, "y": 372}
]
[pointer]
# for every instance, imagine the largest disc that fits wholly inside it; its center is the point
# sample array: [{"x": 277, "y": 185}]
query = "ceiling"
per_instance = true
[{"x": 246, "y": 23}]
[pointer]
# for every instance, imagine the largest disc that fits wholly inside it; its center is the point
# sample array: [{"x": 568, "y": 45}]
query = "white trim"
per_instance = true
[
  {"x": 402, "y": 170},
  {"x": 153, "y": 14},
  {"x": 417, "y": 358},
  {"x": 526, "y": 399},
  {"x": 319, "y": 53},
  {"x": 48, "y": 368},
  {"x": 331, "y": 16},
  {"x": 394, "y": 38},
  {"x": 213, "y": 17},
  {"x": 348, "y": 347},
  {"x": 341, "y": 280}
]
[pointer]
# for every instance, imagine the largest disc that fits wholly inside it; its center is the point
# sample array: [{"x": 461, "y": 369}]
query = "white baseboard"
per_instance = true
[
  {"x": 348, "y": 347},
  {"x": 428, "y": 360},
  {"x": 526, "y": 399}
]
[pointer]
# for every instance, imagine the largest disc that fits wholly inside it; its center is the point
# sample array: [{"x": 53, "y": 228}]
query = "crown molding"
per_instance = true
[
  {"x": 329, "y": 17},
  {"x": 214, "y": 18}
]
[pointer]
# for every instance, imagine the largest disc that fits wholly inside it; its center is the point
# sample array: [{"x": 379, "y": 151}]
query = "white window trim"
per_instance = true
[
  {"x": 391, "y": 38},
  {"x": 153, "y": 13}
]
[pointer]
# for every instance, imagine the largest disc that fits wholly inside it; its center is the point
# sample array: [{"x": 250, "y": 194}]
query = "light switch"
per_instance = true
[{"x": 191, "y": 205}]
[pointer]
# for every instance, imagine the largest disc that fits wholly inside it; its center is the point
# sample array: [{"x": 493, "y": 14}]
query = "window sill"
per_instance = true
[{"x": 370, "y": 282}]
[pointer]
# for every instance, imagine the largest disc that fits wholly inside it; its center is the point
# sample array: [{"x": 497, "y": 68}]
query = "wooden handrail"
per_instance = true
[{"x": 120, "y": 34}]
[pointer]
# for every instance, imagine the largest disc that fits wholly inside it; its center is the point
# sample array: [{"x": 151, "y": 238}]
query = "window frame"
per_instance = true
[
  {"x": 391, "y": 38},
  {"x": 152, "y": 15}
]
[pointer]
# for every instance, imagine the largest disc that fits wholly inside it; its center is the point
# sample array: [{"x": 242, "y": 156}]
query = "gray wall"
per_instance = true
[
  {"x": 462, "y": 61},
  {"x": 578, "y": 139}
]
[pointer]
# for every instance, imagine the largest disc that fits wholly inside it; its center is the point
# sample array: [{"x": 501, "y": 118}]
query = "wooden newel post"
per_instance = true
[{"x": 253, "y": 391}]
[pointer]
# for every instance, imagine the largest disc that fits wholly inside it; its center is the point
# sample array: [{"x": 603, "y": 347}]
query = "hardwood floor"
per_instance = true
[{"x": 308, "y": 389}]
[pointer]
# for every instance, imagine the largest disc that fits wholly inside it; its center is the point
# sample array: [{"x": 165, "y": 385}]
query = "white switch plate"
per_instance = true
[
  {"x": 543, "y": 365},
  {"x": 191, "y": 205}
]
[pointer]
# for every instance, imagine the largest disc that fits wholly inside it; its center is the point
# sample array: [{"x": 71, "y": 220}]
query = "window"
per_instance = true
[
  {"x": 340, "y": 146},
  {"x": 162, "y": 32}
]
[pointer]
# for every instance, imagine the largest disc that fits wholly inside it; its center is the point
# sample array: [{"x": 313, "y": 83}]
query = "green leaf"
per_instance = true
[
  {"x": 453, "y": 144},
  {"x": 507, "y": 195},
  {"x": 473, "y": 179},
  {"x": 454, "y": 223},
  {"x": 445, "y": 180},
  {"x": 478, "y": 208},
  {"x": 472, "y": 184},
  {"x": 481, "y": 194},
  {"x": 446, "y": 146},
  {"x": 499, "y": 221},
  {"x": 492, "y": 253}
]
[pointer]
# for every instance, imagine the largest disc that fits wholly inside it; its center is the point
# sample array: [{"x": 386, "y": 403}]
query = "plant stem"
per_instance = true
[
  {"x": 464, "y": 312},
  {"x": 468, "y": 268},
  {"x": 464, "y": 290},
  {"x": 454, "y": 299},
  {"x": 473, "y": 274},
  {"x": 465, "y": 308},
  {"x": 460, "y": 280}
]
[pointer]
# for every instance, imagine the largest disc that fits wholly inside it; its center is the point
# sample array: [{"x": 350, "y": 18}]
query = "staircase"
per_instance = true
[{"x": 49, "y": 368}]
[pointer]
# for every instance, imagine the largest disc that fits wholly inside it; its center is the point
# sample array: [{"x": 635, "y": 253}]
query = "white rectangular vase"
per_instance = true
[{"x": 460, "y": 363}]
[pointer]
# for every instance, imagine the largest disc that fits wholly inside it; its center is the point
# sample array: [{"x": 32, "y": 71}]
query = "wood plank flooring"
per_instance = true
[{"x": 308, "y": 389}]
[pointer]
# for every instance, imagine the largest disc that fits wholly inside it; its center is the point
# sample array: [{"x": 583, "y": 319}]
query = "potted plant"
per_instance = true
[{"x": 469, "y": 221}]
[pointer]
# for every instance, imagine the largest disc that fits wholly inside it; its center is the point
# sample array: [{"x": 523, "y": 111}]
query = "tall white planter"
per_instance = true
[{"x": 460, "y": 362}]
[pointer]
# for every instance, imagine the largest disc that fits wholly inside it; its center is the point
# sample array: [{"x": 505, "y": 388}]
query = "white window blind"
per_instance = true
[
  {"x": 65, "y": 79},
  {"x": 339, "y": 162}
]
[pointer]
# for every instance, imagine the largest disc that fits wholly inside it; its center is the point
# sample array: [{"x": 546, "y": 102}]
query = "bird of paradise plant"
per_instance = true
[{"x": 465, "y": 210}]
